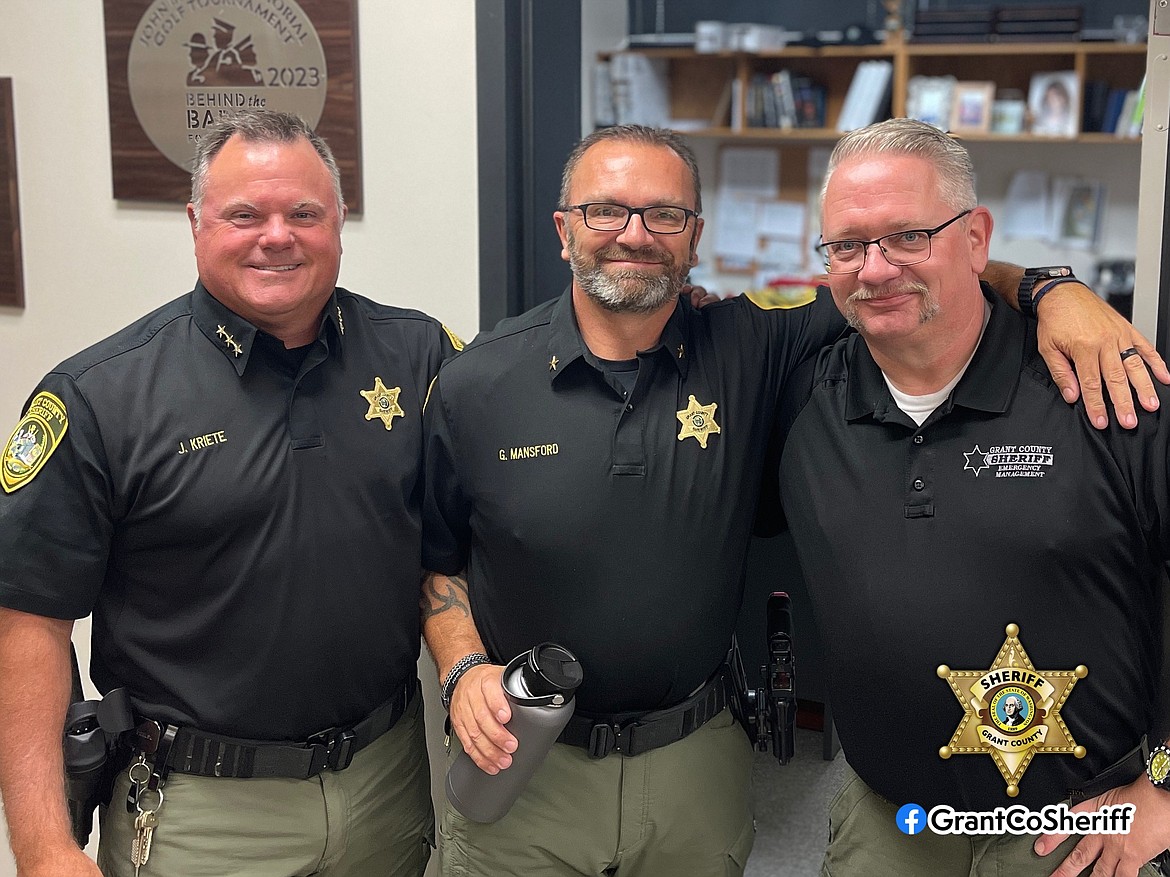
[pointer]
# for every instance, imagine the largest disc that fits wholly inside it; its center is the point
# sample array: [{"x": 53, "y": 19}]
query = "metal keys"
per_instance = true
[{"x": 144, "y": 827}]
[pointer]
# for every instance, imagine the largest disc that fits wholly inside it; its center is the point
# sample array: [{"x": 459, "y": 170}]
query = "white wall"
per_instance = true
[{"x": 91, "y": 265}]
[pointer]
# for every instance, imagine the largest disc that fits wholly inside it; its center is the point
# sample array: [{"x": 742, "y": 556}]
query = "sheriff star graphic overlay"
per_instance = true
[
  {"x": 383, "y": 403},
  {"x": 698, "y": 421},
  {"x": 1011, "y": 711}
]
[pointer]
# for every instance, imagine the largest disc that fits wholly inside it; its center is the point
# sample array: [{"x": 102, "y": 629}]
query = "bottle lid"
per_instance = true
[{"x": 550, "y": 669}]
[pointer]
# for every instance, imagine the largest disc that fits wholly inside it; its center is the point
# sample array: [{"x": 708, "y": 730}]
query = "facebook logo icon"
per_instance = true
[{"x": 911, "y": 819}]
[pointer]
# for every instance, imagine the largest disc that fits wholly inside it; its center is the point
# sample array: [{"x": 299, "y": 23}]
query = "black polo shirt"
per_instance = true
[
  {"x": 921, "y": 544},
  {"x": 244, "y": 526},
  {"x": 614, "y": 525}
]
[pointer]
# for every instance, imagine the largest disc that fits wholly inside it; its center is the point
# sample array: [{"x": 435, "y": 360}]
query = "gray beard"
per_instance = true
[{"x": 625, "y": 292}]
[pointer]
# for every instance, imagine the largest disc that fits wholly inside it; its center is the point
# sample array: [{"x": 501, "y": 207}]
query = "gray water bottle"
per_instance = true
[{"x": 539, "y": 685}]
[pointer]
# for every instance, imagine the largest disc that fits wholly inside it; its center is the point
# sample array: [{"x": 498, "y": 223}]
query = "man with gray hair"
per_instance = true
[
  {"x": 592, "y": 472},
  {"x": 231, "y": 485},
  {"x": 972, "y": 544}
]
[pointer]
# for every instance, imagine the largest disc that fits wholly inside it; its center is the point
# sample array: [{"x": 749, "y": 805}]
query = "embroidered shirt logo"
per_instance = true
[
  {"x": 383, "y": 402},
  {"x": 33, "y": 441},
  {"x": 1010, "y": 461},
  {"x": 698, "y": 421},
  {"x": 1012, "y": 711}
]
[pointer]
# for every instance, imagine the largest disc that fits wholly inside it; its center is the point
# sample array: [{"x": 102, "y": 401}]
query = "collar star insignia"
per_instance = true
[
  {"x": 229, "y": 341},
  {"x": 340, "y": 320},
  {"x": 698, "y": 421},
  {"x": 1012, "y": 711},
  {"x": 681, "y": 351},
  {"x": 552, "y": 364},
  {"x": 383, "y": 403},
  {"x": 976, "y": 461}
]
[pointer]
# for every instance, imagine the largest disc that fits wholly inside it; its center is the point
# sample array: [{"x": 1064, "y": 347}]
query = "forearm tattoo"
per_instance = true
[{"x": 440, "y": 593}]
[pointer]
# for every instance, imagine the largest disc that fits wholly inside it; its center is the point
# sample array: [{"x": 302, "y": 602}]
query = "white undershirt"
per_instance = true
[{"x": 918, "y": 408}]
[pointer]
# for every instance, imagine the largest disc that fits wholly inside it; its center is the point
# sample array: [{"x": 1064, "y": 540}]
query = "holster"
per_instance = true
[
  {"x": 768, "y": 714},
  {"x": 93, "y": 729}
]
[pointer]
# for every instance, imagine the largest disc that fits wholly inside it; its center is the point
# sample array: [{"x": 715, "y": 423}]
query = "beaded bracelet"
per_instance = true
[{"x": 456, "y": 673}]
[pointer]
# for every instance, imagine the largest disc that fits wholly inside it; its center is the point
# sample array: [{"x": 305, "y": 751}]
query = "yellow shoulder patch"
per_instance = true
[
  {"x": 33, "y": 441},
  {"x": 456, "y": 341},
  {"x": 782, "y": 297}
]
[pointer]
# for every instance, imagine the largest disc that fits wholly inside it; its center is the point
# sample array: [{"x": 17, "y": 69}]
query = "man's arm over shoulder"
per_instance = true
[
  {"x": 793, "y": 326},
  {"x": 1082, "y": 340}
]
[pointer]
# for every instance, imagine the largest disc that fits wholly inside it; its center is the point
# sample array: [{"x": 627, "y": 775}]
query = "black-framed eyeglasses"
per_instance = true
[
  {"x": 658, "y": 218},
  {"x": 901, "y": 248}
]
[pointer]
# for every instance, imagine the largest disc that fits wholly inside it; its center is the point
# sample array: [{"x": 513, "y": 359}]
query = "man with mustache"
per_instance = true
[
  {"x": 943, "y": 496},
  {"x": 594, "y": 465}
]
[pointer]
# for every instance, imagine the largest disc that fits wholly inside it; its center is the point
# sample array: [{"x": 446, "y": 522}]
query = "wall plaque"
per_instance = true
[
  {"x": 175, "y": 66},
  {"x": 11, "y": 270}
]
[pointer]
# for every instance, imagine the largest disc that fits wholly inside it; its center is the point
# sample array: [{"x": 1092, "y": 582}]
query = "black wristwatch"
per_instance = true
[
  {"x": 1158, "y": 767},
  {"x": 1034, "y": 277}
]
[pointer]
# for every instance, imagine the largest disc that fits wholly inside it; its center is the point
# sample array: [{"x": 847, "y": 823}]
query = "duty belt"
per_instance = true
[
  {"x": 196, "y": 752},
  {"x": 633, "y": 735}
]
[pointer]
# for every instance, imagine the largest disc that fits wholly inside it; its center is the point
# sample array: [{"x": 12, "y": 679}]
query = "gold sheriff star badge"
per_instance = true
[
  {"x": 1012, "y": 711},
  {"x": 383, "y": 402},
  {"x": 698, "y": 421}
]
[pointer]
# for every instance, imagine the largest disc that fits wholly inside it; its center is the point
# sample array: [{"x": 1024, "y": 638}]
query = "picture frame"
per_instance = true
[
  {"x": 172, "y": 69},
  {"x": 1078, "y": 205},
  {"x": 971, "y": 104},
  {"x": 1054, "y": 104},
  {"x": 11, "y": 266},
  {"x": 929, "y": 99}
]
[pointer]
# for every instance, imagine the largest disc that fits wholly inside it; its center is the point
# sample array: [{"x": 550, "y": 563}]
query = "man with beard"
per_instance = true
[
  {"x": 594, "y": 465},
  {"x": 902, "y": 446}
]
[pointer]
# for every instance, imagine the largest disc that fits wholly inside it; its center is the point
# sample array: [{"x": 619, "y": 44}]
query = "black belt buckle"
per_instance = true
[
  {"x": 604, "y": 739},
  {"x": 337, "y": 747}
]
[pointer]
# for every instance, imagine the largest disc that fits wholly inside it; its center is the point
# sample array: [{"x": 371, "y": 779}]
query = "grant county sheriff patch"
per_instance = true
[
  {"x": 1012, "y": 711},
  {"x": 33, "y": 441}
]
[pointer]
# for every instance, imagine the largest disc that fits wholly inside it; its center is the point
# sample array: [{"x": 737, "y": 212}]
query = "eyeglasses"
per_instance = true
[
  {"x": 901, "y": 248},
  {"x": 658, "y": 218}
]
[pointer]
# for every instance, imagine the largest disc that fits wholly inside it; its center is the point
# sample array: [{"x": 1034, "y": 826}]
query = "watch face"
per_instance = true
[{"x": 1159, "y": 766}]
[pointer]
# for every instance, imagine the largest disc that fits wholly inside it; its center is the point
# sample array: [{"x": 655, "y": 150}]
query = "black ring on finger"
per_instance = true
[{"x": 1129, "y": 351}]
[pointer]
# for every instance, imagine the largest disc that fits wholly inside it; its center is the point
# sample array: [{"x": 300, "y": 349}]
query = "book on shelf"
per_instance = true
[
  {"x": 1113, "y": 107},
  {"x": 867, "y": 96}
]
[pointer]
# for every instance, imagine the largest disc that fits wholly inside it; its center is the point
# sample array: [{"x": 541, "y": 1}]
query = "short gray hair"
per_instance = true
[
  {"x": 257, "y": 126},
  {"x": 952, "y": 162},
  {"x": 642, "y": 134}
]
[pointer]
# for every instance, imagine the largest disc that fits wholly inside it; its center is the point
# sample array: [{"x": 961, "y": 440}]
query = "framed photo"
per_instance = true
[
  {"x": 928, "y": 99},
  {"x": 971, "y": 106},
  {"x": 11, "y": 271},
  {"x": 1077, "y": 207},
  {"x": 1054, "y": 101}
]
